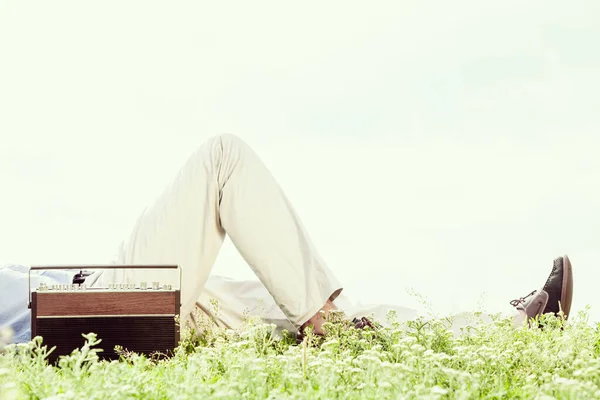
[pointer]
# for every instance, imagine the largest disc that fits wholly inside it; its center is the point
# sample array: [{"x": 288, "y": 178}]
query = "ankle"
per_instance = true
[{"x": 317, "y": 320}]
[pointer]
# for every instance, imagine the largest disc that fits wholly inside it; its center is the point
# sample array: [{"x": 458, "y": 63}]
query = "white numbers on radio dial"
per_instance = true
[
  {"x": 72, "y": 287},
  {"x": 44, "y": 287}
]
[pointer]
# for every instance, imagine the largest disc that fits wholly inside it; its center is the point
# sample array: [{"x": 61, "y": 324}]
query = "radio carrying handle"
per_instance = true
[{"x": 83, "y": 267}]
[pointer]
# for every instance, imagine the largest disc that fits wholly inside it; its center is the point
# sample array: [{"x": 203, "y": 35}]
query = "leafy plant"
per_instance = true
[{"x": 418, "y": 359}]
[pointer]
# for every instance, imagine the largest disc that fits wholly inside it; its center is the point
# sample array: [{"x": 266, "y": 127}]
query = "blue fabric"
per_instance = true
[{"x": 14, "y": 297}]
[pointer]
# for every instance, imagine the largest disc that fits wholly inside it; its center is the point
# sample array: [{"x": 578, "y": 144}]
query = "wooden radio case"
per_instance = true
[{"x": 138, "y": 317}]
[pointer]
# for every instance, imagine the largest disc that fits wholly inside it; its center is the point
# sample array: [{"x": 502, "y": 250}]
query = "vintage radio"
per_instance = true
[{"x": 138, "y": 317}]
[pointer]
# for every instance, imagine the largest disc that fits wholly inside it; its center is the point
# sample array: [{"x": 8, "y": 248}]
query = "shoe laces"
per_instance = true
[{"x": 521, "y": 300}]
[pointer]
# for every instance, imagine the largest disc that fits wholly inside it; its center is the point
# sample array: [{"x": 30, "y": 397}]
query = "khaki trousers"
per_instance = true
[
  {"x": 238, "y": 299},
  {"x": 224, "y": 188}
]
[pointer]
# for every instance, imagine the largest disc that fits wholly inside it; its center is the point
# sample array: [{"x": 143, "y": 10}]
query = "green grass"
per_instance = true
[{"x": 416, "y": 360}]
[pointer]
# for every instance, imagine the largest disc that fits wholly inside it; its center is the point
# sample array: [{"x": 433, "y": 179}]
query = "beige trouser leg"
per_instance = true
[
  {"x": 225, "y": 188},
  {"x": 238, "y": 299}
]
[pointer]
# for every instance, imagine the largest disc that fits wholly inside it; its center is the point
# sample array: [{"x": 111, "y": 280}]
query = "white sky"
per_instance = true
[{"x": 451, "y": 147}]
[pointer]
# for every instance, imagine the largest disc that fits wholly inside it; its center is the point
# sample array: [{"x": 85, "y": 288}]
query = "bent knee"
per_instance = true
[
  {"x": 229, "y": 141},
  {"x": 227, "y": 138},
  {"x": 222, "y": 145}
]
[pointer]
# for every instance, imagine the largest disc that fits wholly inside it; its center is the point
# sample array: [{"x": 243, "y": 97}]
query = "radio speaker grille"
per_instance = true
[{"x": 141, "y": 334}]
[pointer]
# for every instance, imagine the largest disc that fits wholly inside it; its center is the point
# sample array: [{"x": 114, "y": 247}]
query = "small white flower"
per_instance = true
[
  {"x": 438, "y": 390},
  {"x": 6, "y": 335},
  {"x": 565, "y": 381},
  {"x": 417, "y": 348},
  {"x": 408, "y": 340}
]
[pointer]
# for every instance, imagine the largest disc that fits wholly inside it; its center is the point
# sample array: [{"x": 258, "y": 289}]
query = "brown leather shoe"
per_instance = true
[{"x": 556, "y": 295}]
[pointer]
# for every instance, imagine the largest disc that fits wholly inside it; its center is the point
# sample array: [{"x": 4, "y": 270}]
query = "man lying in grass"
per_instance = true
[{"x": 224, "y": 188}]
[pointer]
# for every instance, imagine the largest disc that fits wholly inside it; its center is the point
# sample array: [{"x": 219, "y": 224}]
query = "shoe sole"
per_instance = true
[{"x": 566, "y": 295}]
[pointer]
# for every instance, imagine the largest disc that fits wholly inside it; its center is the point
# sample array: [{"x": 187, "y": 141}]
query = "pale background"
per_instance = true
[{"x": 451, "y": 147}]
